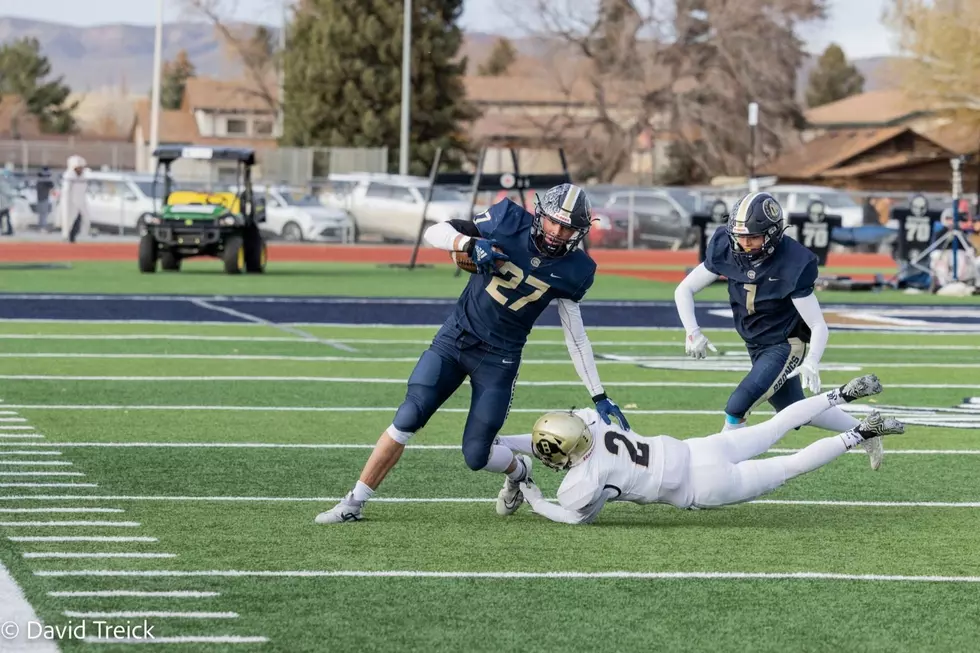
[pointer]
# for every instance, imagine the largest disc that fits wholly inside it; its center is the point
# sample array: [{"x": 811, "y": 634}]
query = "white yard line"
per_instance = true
[
  {"x": 36, "y": 474},
  {"x": 33, "y": 463},
  {"x": 182, "y": 639},
  {"x": 17, "y": 610},
  {"x": 67, "y": 485},
  {"x": 248, "y": 317},
  {"x": 260, "y": 499},
  {"x": 27, "y": 453},
  {"x": 16, "y": 428},
  {"x": 12, "y": 436},
  {"x": 13, "y": 419},
  {"x": 81, "y": 538},
  {"x": 149, "y": 614},
  {"x": 66, "y": 524},
  {"x": 511, "y": 575},
  {"x": 176, "y": 594},
  {"x": 27, "y": 511},
  {"x": 71, "y": 555}
]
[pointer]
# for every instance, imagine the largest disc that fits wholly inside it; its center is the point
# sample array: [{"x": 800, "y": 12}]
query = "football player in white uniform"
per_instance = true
[{"x": 607, "y": 463}]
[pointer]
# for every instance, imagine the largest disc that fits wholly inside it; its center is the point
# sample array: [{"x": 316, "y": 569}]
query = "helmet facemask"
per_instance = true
[{"x": 565, "y": 206}]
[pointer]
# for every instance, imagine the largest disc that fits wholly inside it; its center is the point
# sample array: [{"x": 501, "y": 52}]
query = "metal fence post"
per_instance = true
[{"x": 630, "y": 221}]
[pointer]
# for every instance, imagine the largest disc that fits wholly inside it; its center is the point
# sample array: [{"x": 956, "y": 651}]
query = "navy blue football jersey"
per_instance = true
[
  {"x": 501, "y": 309},
  {"x": 762, "y": 296}
]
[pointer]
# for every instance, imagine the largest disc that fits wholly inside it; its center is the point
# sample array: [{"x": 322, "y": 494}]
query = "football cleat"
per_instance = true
[
  {"x": 876, "y": 452},
  {"x": 874, "y": 425},
  {"x": 863, "y": 386},
  {"x": 510, "y": 498},
  {"x": 342, "y": 512}
]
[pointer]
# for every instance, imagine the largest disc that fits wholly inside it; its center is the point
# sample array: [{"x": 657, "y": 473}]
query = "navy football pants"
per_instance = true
[
  {"x": 441, "y": 369},
  {"x": 767, "y": 378}
]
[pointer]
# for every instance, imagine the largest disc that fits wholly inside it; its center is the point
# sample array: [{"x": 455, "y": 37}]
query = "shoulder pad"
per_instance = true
[
  {"x": 718, "y": 254},
  {"x": 503, "y": 218}
]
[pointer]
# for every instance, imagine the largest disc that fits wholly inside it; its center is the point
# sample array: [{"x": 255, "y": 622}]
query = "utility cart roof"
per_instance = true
[{"x": 170, "y": 153}]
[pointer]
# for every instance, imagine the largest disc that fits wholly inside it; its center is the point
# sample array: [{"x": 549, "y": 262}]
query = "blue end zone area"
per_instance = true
[{"x": 428, "y": 312}]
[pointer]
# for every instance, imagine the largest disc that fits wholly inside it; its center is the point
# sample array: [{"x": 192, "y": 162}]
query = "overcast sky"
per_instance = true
[{"x": 854, "y": 24}]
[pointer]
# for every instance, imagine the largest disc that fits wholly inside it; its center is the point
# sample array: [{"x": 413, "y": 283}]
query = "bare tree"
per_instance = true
[
  {"x": 685, "y": 70},
  {"x": 941, "y": 43},
  {"x": 252, "y": 47}
]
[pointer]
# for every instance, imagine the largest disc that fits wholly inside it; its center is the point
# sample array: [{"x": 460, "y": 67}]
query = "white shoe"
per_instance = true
[
  {"x": 876, "y": 452},
  {"x": 510, "y": 498},
  {"x": 339, "y": 514}
]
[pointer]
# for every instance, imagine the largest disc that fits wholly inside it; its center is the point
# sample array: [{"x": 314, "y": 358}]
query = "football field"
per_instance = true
[{"x": 169, "y": 473}]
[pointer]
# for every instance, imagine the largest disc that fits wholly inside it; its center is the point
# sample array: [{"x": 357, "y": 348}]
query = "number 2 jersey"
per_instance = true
[
  {"x": 634, "y": 467},
  {"x": 501, "y": 309},
  {"x": 762, "y": 296}
]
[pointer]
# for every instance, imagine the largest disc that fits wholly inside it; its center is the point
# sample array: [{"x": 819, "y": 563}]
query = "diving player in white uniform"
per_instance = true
[{"x": 607, "y": 463}]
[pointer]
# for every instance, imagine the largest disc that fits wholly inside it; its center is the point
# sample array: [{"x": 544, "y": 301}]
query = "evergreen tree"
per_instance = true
[
  {"x": 343, "y": 78},
  {"x": 500, "y": 59},
  {"x": 833, "y": 79},
  {"x": 175, "y": 75},
  {"x": 23, "y": 70}
]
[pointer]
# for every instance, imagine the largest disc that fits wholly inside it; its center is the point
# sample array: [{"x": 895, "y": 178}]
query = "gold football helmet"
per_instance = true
[{"x": 561, "y": 439}]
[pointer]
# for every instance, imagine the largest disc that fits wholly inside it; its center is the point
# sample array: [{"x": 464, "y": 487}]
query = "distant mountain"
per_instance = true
[{"x": 121, "y": 56}]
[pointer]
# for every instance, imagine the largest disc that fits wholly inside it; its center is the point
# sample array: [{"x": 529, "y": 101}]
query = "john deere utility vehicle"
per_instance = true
[{"x": 188, "y": 223}]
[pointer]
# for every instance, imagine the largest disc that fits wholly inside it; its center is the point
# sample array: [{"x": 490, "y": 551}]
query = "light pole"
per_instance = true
[
  {"x": 406, "y": 86},
  {"x": 753, "y": 123},
  {"x": 155, "y": 91}
]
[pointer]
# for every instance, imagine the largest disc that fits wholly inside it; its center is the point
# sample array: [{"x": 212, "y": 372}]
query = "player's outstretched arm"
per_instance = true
[
  {"x": 583, "y": 358},
  {"x": 454, "y": 235},
  {"x": 809, "y": 370},
  {"x": 557, "y": 513},
  {"x": 696, "y": 343}
]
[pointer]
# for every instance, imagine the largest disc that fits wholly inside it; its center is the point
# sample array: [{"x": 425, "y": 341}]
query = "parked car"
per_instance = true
[
  {"x": 662, "y": 215},
  {"x": 795, "y": 199},
  {"x": 390, "y": 206},
  {"x": 118, "y": 200},
  {"x": 296, "y": 216}
]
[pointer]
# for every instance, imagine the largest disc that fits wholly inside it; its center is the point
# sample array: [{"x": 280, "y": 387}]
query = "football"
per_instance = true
[{"x": 464, "y": 262}]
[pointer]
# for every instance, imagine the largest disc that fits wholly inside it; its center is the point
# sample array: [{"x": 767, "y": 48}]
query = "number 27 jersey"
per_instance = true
[{"x": 641, "y": 469}]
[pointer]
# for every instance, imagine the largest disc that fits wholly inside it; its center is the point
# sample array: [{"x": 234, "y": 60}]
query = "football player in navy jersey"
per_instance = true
[
  {"x": 771, "y": 290},
  {"x": 524, "y": 261}
]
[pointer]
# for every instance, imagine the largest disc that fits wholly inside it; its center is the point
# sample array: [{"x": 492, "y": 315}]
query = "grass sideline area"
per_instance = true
[
  {"x": 353, "y": 279},
  {"x": 198, "y": 451}
]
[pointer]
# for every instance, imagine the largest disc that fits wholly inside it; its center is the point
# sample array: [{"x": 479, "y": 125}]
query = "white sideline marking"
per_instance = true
[
  {"x": 21, "y": 435},
  {"x": 20, "y": 511},
  {"x": 16, "y": 609},
  {"x": 13, "y": 419},
  {"x": 82, "y": 538},
  {"x": 248, "y": 317},
  {"x": 49, "y": 485},
  {"x": 16, "y": 428},
  {"x": 626, "y": 360},
  {"x": 178, "y": 498},
  {"x": 41, "y": 474},
  {"x": 177, "y": 594},
  {"x": 26, "y": 463},
  {"x": 67, "y": 555},
  {"x": 27, "y": 453},
  {"x": 150, "y": 614},
  {"x": 509, "y": 575},
  {"x": 183, "y": 639},
  {"x": 411, "y": 446},
  {"x": 8, "y": 412},
  {"x": 67, "y": 524}
]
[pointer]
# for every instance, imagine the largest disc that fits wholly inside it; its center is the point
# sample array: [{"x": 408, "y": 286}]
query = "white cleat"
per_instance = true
[
  {"x": 876, "y": 452},
  {"x": 510, "y": 498},
  {"x": 339, "y": 514}
]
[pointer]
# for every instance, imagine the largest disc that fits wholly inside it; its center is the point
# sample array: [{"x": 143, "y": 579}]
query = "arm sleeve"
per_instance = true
[
  {"x": 699, "y": 279},
  {"x": 809, "y": 309},
  {"x": 557, "y": 513},
  {"x": 579, "y": 347},
  {"x": 444, "y": 235}
]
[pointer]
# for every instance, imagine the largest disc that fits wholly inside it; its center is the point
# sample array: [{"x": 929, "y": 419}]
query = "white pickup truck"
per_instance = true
[{"x": 390, "y": 206}]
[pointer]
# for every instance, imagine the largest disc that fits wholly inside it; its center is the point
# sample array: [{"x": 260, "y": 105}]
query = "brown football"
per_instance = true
[{"x": 464, "y": 262}]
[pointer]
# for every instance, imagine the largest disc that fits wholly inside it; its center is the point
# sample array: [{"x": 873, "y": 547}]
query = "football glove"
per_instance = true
[
  {"x": 485, "y": 256},
  {"x": 532, "y": 493},
  {"x": 809, "y": 373},
  {"x": 608, "y": 409},
  {"x": 696, "y": 344}
]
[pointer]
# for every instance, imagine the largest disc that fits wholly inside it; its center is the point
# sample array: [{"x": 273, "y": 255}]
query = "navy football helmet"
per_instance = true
[
  {"x": 568, "y": 206},
  {"x": 756, "y": 214}
]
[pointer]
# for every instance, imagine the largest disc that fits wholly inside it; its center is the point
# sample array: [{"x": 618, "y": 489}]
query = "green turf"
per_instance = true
[
  {"x": 350, "y": 279},
  {"x": 446, "y": 614}
]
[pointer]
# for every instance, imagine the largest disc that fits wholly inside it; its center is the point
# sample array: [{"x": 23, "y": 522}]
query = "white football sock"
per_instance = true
[
  {"x": 851, "y": 438},
  {"x": 500, "y": 459},
  {"x": 360, "y": 494}
]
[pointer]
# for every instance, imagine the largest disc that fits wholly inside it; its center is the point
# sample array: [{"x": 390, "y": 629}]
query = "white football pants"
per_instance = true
[{"x": 722, "y": 473}]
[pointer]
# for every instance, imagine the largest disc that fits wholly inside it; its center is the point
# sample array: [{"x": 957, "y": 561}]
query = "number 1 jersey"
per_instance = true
[
  {"x": 501, "y": 309},
  {"x": 641, "y": 469}
]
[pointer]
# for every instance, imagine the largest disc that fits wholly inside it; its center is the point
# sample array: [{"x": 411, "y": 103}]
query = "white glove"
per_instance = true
[
  {"x": 532, "y": 493},
  {"x": 809, "y": 373},
  {"x": 696, "y": 344}
]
